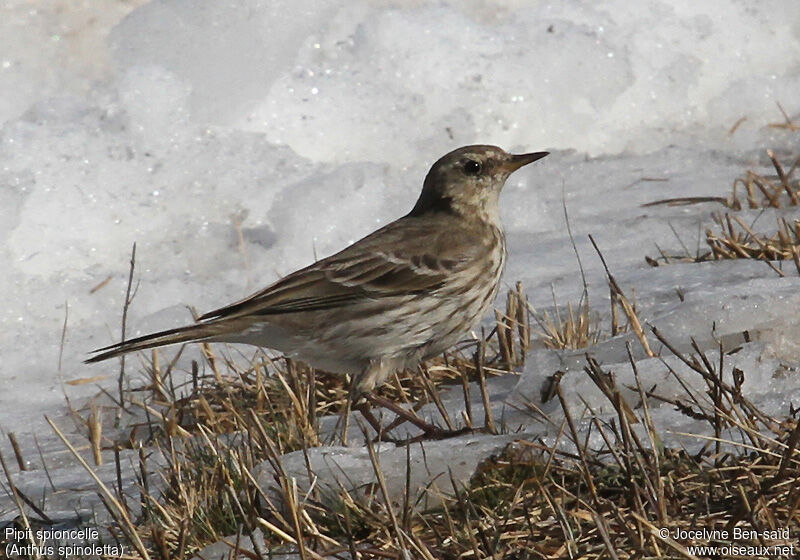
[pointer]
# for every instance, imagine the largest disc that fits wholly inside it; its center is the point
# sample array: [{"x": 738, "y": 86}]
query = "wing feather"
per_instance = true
[{"x": 399, "y": 259}]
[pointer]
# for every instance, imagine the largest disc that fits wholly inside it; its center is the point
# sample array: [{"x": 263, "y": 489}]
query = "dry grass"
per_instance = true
[
  {"x": 611, "y": 501},
  {"x": 572, "y": 328},
  {"x": 735, "y": 239},
  {"x": 565, "y": 499},
  {"x": 577, "y": 327},
  {"x": 773, "y": 191}
]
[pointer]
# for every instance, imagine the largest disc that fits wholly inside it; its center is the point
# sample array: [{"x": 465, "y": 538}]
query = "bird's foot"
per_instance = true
[{"x": 429, "y": 431}]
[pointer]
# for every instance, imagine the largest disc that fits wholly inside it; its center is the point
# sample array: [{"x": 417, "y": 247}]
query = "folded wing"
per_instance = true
[{"x": 396, "y": 260}]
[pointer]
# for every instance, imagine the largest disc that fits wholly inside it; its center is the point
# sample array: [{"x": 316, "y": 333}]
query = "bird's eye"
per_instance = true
[{"x": 472, "y": 167}]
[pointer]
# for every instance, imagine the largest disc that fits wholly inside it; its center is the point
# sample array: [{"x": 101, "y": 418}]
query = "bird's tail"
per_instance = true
[{"x": 190, "y": 333}]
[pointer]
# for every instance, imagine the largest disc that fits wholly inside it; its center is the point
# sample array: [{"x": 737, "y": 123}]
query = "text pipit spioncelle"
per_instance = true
[{"x": 397, "y": 297}]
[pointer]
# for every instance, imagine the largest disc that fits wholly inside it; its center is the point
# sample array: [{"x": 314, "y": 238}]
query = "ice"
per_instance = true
[
  {"x": 426, "y": 466},
  {"x": 235, "y": 142},
  {"x": 766, "y": 381}
]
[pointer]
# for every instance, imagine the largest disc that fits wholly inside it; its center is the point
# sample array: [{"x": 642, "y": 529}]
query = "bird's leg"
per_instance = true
[
  {"x": 429, "y": 429},
  {"x": 356, "y": 401},
  {"x": 353, "y": 396},
  {"x": 364, "y": 408},
  {"x": 361, "y": 398},
  {"x": 344, "y": 422}
]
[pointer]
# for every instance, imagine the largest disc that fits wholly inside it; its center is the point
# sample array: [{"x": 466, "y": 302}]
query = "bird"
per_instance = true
[{"x": 397, "y": 297}]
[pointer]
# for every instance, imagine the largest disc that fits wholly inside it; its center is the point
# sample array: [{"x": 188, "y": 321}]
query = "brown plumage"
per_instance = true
[{"x": 402, "y": 294}]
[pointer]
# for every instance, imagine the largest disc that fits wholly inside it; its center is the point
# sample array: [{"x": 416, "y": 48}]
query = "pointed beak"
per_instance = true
[{"x": 518, "y": 160}]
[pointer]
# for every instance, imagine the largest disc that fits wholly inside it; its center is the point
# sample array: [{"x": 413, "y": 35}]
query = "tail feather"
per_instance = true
[{"x": 190, "y": 333}]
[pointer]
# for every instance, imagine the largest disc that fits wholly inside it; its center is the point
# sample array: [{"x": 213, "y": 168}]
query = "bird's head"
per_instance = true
[{"x": 468, "y": 181}]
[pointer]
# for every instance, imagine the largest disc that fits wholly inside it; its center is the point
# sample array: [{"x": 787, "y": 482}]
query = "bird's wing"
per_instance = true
[{"x": 403, "y": 258}]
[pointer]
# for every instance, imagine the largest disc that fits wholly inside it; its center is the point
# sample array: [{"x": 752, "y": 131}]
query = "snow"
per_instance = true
[{"x": 307, "y": 125}]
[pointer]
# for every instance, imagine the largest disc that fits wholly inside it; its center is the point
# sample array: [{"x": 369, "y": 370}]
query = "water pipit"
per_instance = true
[{"x": 401, "y": 295}]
